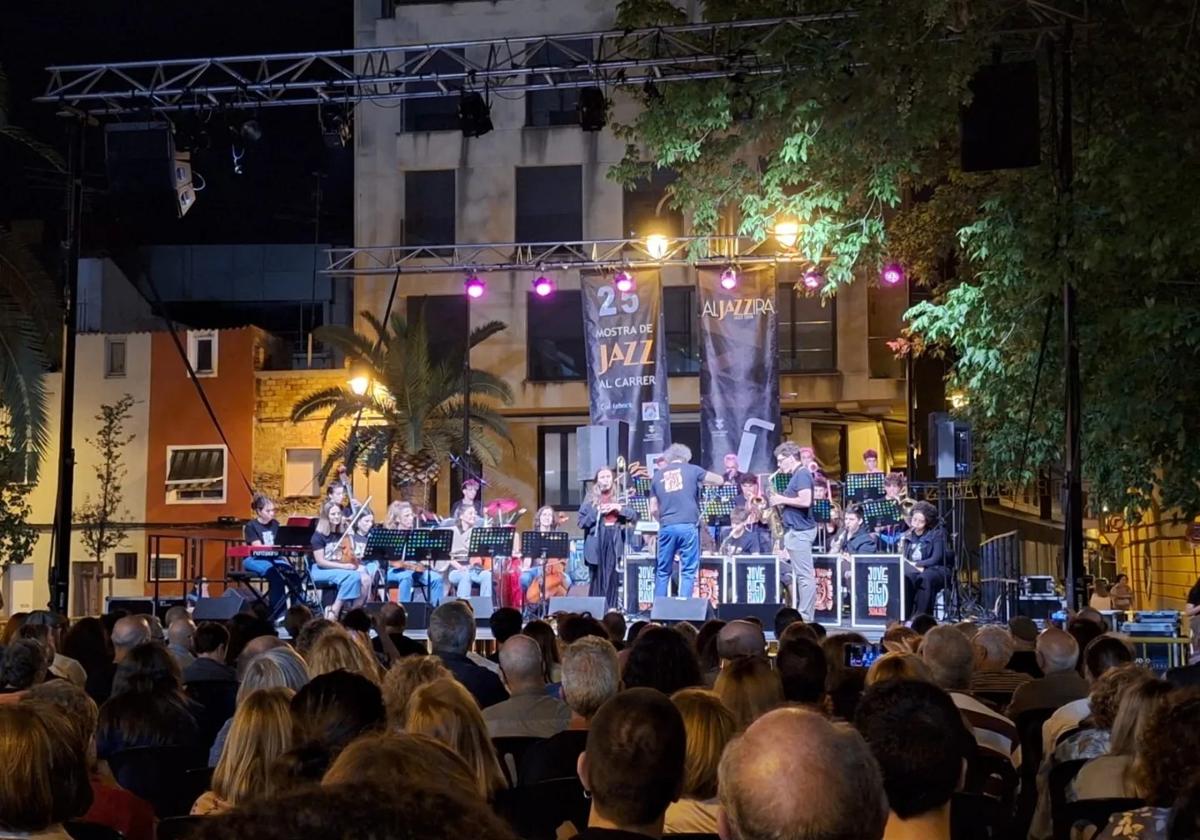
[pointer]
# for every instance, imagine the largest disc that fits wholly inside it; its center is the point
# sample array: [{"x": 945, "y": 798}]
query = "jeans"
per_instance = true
[
  {"x": 463, "y": 578},
  {"x": 347, "y": 581},
  {"x": 406, "y": 580},
  {"x": 273, "y": 573},
  {"x": 799, "y": 546},
  {"x": 684, "y": 539}
]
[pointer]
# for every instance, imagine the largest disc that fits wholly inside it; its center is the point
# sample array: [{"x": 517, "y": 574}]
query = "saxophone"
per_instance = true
[{"x": 772, "y": 515}]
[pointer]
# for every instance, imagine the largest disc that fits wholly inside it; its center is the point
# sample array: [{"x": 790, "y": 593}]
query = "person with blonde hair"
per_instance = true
[
  {"x": 444, "y": 710},
  {"x": 709, "y": 727},
  {"x": 328, "y": 565},
  {"x": 405, "y": 677},
  {"x": 276, "y": 668},
  {"x": 898, "y": 666},
  {"x": 1111, "y": 776},
  {"x": 392, "y": 761},
  {"x": 261, "y": 732},
  {"x": 339, "y": 650},
  {"x": 749, "y": 688}
]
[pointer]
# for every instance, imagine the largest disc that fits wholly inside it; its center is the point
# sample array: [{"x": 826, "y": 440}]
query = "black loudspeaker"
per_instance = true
[
  {"x": 145, "y": 173},
  {"x": 765, "y": 613},
  {"x": 417, "y": 614},
  {"x": 593, "y": 109},
  {"x": 681, "y": 609},
  {"x": 474, "y": 114},
  {"x": 483, "y": 608},
  {"x": 223, "y": 608},
  {"x": 596, "y": 447},
  {"x": 133, "y": 606},
  {"x": 1000, "y": 128},
  {"x": 591, "y": 606},
  {"x": 952, "y": 449}
]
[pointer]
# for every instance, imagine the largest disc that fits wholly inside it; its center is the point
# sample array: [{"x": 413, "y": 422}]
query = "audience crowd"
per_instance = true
[{"x": 115, "y": 727}]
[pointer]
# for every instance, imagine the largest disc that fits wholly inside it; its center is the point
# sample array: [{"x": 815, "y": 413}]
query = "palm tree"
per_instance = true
[
  {"x": 30, "y": 304},
  {"x": 413, "y": 407}
]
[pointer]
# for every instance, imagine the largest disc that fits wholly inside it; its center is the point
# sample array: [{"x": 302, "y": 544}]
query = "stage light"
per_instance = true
[
  {"x": 813, "y": 280},
  {"x": 623, "y": 280},
  {"x": 786, "y": 232},
  {"x": 593, "y": 109},
  {"x": 474, "y": 286},
  {"x": 474, "y": 114},
  {"x": 729, "y": 278},
  {"x": 892, "y": 275},
  {"x": 656, "y": 245},
  {"x": 543, "y": 286}
]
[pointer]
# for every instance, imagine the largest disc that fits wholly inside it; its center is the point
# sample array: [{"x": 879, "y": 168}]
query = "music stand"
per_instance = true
[
  {"x": 716, "y": 503},
  {"x": 428, "y": 546},
  {"x": 821, "y": 510},
  {"x": 641, "y": 486},
  {"x": 639, "y": 505},
  {"x": 386, "y": 545},
  {"x": 779, "y": 482},
  {"x": 545, "y": 545},
  {"x": 862, "y": 487},
  {"x": 881, "y": 512},
  {"x": 491, "y": 542}
]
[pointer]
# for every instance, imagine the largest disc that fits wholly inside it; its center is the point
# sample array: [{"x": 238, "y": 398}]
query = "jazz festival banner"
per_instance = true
[
  {"x": 627, "y": 364},
  {"x": 739, "y": 370}
]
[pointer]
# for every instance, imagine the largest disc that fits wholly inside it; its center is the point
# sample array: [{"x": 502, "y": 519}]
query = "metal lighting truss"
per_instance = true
[
  {"x": 396, "y": 72},
  {"x": 592, "y": 254}
]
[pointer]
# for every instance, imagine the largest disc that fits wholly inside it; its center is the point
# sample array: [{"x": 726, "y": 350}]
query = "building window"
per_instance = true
[
  {"x": 558, "y": 481},
  {"x": 435, "y": 113},
  {"x": 549, "y": 203},
  {"x": 445, "y": 323},
  {"x": 301, "y": 468},
  {"x": 126, "y": 565},
  {"x": 558, "y": 106},
  {"x": 555, "y": 346},
  {"x": 202, "y": 353},
  {"x": 829, "y": 447},
  {"x": 114, "y": 357},
  {"x": 645, "y": 208},
  {"x": 195, "y": 475},
  {"x": 163, "y": 567},
  {"x": 682, "y": 327},
  {"x": 807, "y": 328},
  {"x": 429, "y": 200},
  {"x": 885, "y": 319}
]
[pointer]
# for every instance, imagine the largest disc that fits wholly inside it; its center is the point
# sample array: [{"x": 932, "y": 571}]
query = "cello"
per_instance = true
[{"x": 553, "y": 582}]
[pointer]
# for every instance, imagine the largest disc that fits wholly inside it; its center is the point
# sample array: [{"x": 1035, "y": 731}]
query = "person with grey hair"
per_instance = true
[
  {"x": 157, "y": 634},
  {"x": 591, "y": 675},
  {"x": 451, "y": 635},
  {"x": 767, "y": 774},
  {"x": 951, "y": 661},
  {"x": 129, "y": 632},
  {"x": 675, "y": 500},
  {"x": 992, "y": 679},
  {"x": 1057, "y": 653},
  {"x": 529, "y": 712},
  {"x": 179, "y": 641},
  {"x": 794, "y": 508},
  {"x": 279, "y": 667}
]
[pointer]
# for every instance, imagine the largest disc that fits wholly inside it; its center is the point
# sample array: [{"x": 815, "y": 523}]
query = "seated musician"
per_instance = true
[
  {"x": 928, "y": 564},
  {"x": 854, "y": 538},
  {"x": 335, "y": 566},
  {"x": 368, "y": 572},
  {"x": 743, "y": 537},
  {"x": 750, "y": 499},
  {"x": 409, "y": 573},
  {"x": 261, "y": 531},
  {"x": 544, "y": 522},
  {"x": 464, "y": 569}
]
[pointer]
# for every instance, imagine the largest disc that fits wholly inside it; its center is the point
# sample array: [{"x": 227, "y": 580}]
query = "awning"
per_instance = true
[{"x": 196, "y": 469}]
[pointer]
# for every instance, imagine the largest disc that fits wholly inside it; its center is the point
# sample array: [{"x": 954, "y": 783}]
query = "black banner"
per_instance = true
[
  {"x": 627, "y": 365},
  {"x": 739, "y": 370},
  {"x": 756, "y": 579},
  {"x": 878, "y": 590},
  {"x": 639, "y": 584}
]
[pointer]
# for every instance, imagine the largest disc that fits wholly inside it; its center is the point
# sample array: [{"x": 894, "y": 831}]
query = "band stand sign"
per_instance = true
[
  {"x": 639, "y": 584},
  {"x": 827, "y": 609},
  {"x": 756, "y": 579},
  {"x": 878, "y": 595}
]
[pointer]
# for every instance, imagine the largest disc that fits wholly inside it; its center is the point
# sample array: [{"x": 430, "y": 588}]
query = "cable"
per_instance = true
[{"x": 387, "y": 315}]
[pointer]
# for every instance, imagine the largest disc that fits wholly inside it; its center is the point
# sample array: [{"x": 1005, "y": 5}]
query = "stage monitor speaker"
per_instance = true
[
  {"x": 417, "y": 614},
  {"x": 133, "y": 606},
  {"x": 596, "y": 447},
  {"x": 1000, "y": 128},
  {"x": 581, "y": 606},
  {"x": 482, "y": 607},
  {"x": 145, "y": 173},
  {"x": 953, "y": 449},
  {"x": 765, "y": 613},
  {"x": 165, "y": 604},
  {"x": 224, "y": 608},
  {"x": 681, "y": 609}
]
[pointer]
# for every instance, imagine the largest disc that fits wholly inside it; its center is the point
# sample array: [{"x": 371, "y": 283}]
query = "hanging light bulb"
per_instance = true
[
  {"x": 543, "y": 286},
  {"x": 474, "y": 286},
  {"x": 623, "y": 280},
  {"x": 892, "y": 274},
  {"x": 729, "y": 278}
]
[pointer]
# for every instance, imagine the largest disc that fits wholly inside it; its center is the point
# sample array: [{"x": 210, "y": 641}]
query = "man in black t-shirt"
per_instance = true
[
  {"x": 676, "y": 501},
  {"x": 800, "y": 530}
]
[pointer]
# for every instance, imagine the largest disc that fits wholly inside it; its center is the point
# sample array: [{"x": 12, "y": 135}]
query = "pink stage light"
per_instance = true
[
  {"x": 813, "y": 280},
  {"x": 729, "y": 279},
  {"x": 893, "y": 275},
  {"x": 543, "y": 286},
  {"x": 623, "y": 280},
  {"x": 475, "y": 286}
]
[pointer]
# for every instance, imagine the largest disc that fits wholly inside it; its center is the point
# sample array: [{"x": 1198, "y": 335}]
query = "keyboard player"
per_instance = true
[{"x": 261, "y": 531}]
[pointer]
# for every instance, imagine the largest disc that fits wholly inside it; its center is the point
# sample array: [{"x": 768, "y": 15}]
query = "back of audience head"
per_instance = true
[
  {"x": 1083, "y": 629},
  {"x": 148, "y": 669},
  {"x": 614, "y": 623},
  {"x": 521, "y": 665},
  {"x": 1024, "y": 632},
  {"x": 505, "y": 623},
  {"x": 45, "y": 779},
  {"x": 633, "y": 764},
  {"x": 1105, "y": 652},
  {"x": 709, "y": 727},
  {"x": 590, "y": 675},
  {"x": 741, "y": 638},
  {"x": 339, "y": 651},
  {"x": 901, "y": 639},
  {"x": 452, "y": 628},
  {"x": 181, "y": 632},
  {"x": 1137, "y": 704},
  {"x": 446, "y": 711},
  {"x": 573, "y": 627},
  {"x": 211, "y": 639},
  {"x": 40, "y": 633},
  {"x": 749, "y": 688},
  {"x": 898, "y": 666},
  {"x": 767, "y": 775},
  {"x": 543, "y": 634},
  {"x": 358, "y": 620},
  {"x": 799, "y": 630},
  {"x": 1057, "y": 651},
  {"x": 327, "y": 714},
  {"x": 690, "y": 634},
  {"x": 294, "y": 620},
  {"x": 310, "y": 633},
  {"x": 706, "y": 644},
  {"x": 993, "y": 648},
  {"x": 403, "y": 678},
  {"x": 417, "y": 809},
  {"x": 26, "y": 663},
  {"x": 784, "y": 617},
  {"x": 922, "y": 623},
  {"x": 918, "y": 736},
  {"x": 243, "y": 629},
  {"x": 157, "y": 634},
  {"x": 949, "y": 656},
  {"x": 74, "y": 706},
  {"x": 129, "y": 632},
  {"x": 635, "y": 630},
  {"x": 255, "y": 648},
  {"x": 1165, "y": 759},
  {"x": 394, "y": 760},
  {"x": 661, "y": 659},
  {"x": 261, "y": 732},
  {"x": 802, "y": 669},
  {"x": 88, "y": 644},
  {"x": 278, "y": 668},
  {"x": 1107, "y": 692},
  {"x": 13, "y": 626},
  {"x": 174, "y": 614}
]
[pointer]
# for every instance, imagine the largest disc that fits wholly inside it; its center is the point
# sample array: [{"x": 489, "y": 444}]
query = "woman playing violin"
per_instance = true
[
  {"x": 335, "y": 566},
  {"x": 367, "y": 571}
]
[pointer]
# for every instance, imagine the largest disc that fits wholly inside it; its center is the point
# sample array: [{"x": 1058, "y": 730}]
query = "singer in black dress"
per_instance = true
[{"x": 604, "y": 522}]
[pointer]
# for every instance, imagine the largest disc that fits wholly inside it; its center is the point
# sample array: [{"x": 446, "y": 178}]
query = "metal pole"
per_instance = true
[
  {"x": 60, "y": 570},
  {"x": 466, "y": 377}
]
